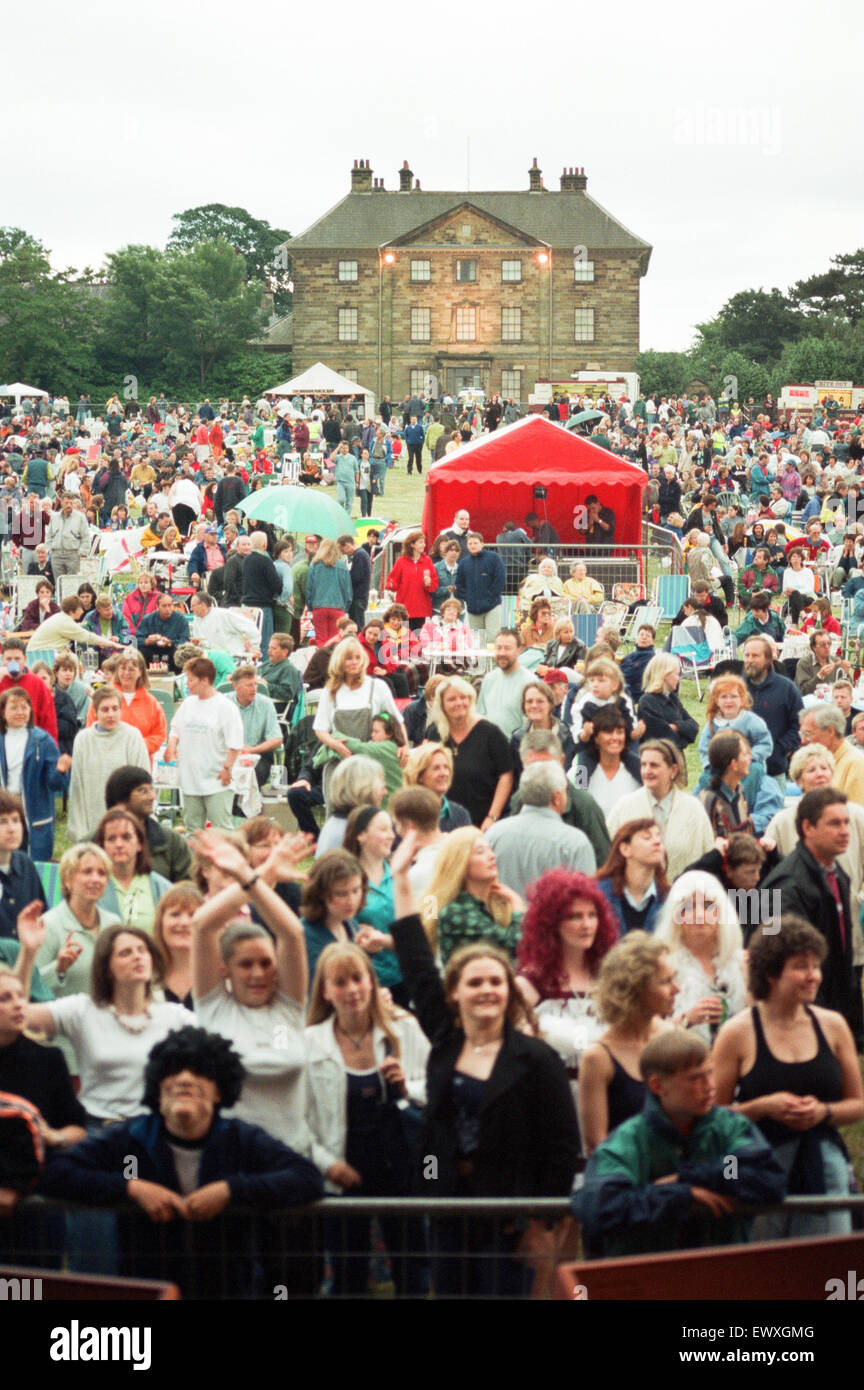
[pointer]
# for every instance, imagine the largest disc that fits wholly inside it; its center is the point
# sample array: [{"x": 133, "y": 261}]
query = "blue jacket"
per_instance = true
[
  {"x": 414, "y": 434},
  {"x": 261, "y": 1171},
  {"x": 40, "y": 780},
  {"x": 21, "y": 885},
  {"x": 119, "y": 627},
  {"x": 198, "y": 560},
  {"x": 175, "y": 628},
  {"x": 778, "y": 701},
  {"x": 480, "y": 581},
  {"x": 329, "y": 586}
]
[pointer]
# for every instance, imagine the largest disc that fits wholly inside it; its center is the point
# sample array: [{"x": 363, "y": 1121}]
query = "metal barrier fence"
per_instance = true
[
  {"x": 344, "y": 1247},
  {"x": 658, "y": 553}
]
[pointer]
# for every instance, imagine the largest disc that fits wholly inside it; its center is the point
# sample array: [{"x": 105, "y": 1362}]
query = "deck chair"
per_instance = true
[
  {"x": 628, "y": 593},
  {"x": 691, "y": 649},
  {"x": 647, "y": 613},
  {"x": 670, "y": 591},
  {"x": 586, "y": 625},
  {"x": 49, "y": 876},
  {"x": 613, "y": 614}
]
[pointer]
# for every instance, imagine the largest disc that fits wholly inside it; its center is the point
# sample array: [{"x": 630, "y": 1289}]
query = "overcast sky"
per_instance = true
[{"x": 725, "y": 136}]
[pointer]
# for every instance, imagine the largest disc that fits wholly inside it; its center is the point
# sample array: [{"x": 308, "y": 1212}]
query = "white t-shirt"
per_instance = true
[
  {"x": 111, "y": 1060},
  {"x": 608, "y": 792},
  {"x": 346, "y": 698},
  {"x": 206, "y": 730},
  {"x": 422, "y": 870},
  {"x": 270, "y": 1042},
  {"x": 16, "y": 743}
]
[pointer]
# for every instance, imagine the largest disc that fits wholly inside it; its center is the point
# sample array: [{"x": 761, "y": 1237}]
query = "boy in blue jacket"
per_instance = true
[
  {"x": 675, "y": 1176},
  {"x": 181, "y": 1167}
]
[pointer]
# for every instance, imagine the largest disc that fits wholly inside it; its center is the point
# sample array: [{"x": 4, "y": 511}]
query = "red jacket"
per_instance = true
[
  {"x": 44, "y": 713},
  {"x": 406, "y": 581}
]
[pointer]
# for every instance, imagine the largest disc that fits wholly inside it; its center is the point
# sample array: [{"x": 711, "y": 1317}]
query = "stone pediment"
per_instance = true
[{"x": 466, "y": 226}]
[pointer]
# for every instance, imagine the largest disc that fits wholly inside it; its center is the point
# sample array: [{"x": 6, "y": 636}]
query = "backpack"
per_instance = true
[{"x": 21, "y": 1151}]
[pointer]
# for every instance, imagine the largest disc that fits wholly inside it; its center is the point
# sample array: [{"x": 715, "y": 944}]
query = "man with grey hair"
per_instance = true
[
  {"x": 262, "y": 584},
  {"x": 537, "y": 839},
  {"x": 817, "y": 666},
  {"x": 826, "y": 724},
  {"x": 582, "y": 811}
]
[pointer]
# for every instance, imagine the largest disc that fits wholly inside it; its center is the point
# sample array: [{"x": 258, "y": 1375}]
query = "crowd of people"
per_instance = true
[{"x": 515, "y": 947}]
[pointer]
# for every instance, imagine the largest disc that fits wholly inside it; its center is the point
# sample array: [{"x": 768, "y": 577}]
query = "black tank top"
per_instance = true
[
  {"x": 821, "y": 1076},
  {"x": 625, "y": 1095}
]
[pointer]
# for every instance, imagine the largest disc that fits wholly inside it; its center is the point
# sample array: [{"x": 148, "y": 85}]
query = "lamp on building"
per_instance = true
[
  {"x": 384, "y": 258},
  {"x": 542, "y": 258},
  {"x": 389, "y": 257}
]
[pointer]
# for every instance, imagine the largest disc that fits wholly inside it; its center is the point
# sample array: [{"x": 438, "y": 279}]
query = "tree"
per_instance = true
[
  {"x": 756, "y": 323},
  {"x": 739, "y": 378},
  {"x": 839, "y": 290},
  {"x": 204, "y": 310},
  {"x": 663, "y": 373},
  {"x": 260, "y": 245},
  {"x": 48, "y": 320},
  {"x": 820, "y": 359},
  {"x": 130, "y": 342}
]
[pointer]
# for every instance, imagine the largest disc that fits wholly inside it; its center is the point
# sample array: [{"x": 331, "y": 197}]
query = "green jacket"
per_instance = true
[
  {"x": 624, "y": 1211},
  {"x": 385, "y": 753}
]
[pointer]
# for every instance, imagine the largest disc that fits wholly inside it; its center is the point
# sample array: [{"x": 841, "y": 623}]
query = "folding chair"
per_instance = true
[
  {"x": 670, "y": 591},
  {"x": 649, "y": 614},
  {"x": 613, "y": 614},
  {"x": 628, "y": 593},
  {"x": 586, "y": 625}
]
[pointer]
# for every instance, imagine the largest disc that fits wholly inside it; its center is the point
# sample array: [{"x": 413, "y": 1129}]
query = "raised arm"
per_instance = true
[
  {"x": 412, "y": 946},
  {"x": 31, "y": 935}
]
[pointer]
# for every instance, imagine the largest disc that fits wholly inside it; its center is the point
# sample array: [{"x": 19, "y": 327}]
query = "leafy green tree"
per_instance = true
[
  {"x": 204, "y": 309},
  {"x": 663, "y": 373},
  {"x": 261, "y": 246},
  {"x": 48, "y": 320},
  {"x": 739, "y": 378},
  {"x": 820, "y": 359},
  {"x": 756, "y": 323},
  {"x": 130, "y": 340},
  {"x": 838, "y": 291}
]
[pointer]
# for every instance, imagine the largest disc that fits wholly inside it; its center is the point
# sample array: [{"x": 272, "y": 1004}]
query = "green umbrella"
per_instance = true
[
  {"x": 296, "y": 508},
  {"x": 585, "y": 415}
]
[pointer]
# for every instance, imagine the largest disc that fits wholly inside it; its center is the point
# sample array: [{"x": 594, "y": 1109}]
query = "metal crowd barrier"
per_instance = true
[{"x": 343, "y": 1247}]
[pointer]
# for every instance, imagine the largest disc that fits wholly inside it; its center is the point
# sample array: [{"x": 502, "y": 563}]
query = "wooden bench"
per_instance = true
[{"x": 780, "y": 1269}]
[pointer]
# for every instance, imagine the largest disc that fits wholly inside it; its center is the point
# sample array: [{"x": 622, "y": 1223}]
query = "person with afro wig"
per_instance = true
[{"x": 181, "y": 1167}]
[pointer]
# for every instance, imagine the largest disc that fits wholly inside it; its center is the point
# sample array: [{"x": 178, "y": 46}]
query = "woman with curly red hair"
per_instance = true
[{"x": 566, "y": 931}]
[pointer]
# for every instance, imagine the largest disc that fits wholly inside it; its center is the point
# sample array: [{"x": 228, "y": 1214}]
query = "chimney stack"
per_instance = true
[
  {"x": 361, "y": 177},
  {"x": 535, "y": 181},
  {"x": 416, "y": 185},
  {"x": 573, "y": 180},
  {"x": 405, "y": 178},
  {"x": 378, "y": 186}
]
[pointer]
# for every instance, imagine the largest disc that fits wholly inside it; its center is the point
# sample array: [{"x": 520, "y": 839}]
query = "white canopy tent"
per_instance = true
[
  {"x": 323, "y": 381},
  {"x": 19, "y": 391}
]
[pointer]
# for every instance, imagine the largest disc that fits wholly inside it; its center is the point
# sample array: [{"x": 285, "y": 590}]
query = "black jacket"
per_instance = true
[
  {"x": 229, "y": 491},
  {"x": 659, "y": 710},
  {"x": 799, "y": 882},
  {"x": 529, "y": 1137},
  {"x": 573, "y": 652},
  {"x": 68, "y": 723},
  {"x": 232, "y": 596},
  {"x": 360, "y": 567},
  {"x": 778, "y": 701},
  {"x": 261, "y": 581}
]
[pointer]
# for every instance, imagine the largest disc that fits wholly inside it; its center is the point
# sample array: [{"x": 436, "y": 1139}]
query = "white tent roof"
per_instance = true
[
  {"x": 319, "y": 381},
  {"x": 18, "y": 389}
]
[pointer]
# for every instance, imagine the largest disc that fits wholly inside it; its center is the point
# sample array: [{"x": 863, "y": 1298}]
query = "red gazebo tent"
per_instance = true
[{"x": 494, "y": 479}]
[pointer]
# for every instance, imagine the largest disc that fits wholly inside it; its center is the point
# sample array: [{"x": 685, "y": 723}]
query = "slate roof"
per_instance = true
[{"x": 369, "y": 220}]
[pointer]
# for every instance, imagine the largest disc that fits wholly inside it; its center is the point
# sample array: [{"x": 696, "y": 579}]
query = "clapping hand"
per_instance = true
[
  {"x": 210, "y": 845},
  {"x": 285, "y": 857}
]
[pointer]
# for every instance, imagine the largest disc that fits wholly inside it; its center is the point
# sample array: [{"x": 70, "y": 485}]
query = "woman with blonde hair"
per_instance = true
[
  {"x": 351, "y": 699},
  {"x": 482, "y": 759},
  {"x": 431, "y": 765},
  {"x": 363, "y": 1066},
  {"x": 328, "y": 590},
  {"x": 466, "y": 902},
  {"x": 71, "y": 928},
  {"x": 660, "y": 707},
  {"x": 703, "y": 935},
  {"x": 687, "y": 832},
  {"x": 634, "y": 995}
]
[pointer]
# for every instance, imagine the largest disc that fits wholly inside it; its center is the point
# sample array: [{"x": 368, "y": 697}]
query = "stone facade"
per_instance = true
[{"x": 463, "y": 296}]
